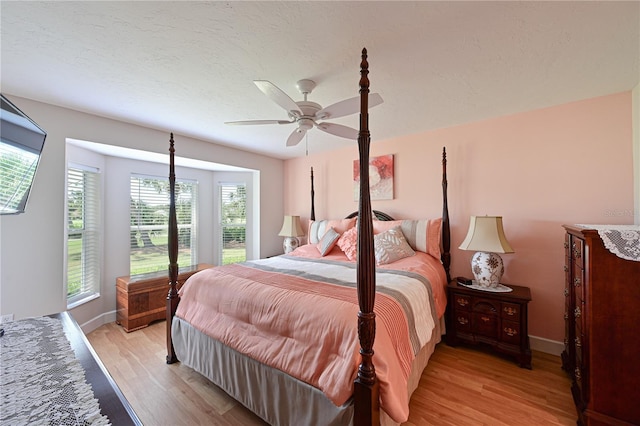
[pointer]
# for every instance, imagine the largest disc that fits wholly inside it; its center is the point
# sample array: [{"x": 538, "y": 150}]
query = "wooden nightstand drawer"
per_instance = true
[
  {"x": 462, "y": 302},
  {"x": 485, "y": 325},
  {"x": 510, "y": 332},
  {"x": 510, "y": 311},
  {"x": 463, "y": 321}
]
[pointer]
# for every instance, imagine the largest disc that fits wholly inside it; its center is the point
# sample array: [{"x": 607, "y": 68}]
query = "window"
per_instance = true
[
  {"x": 83, "y": 234},
  {"x": 149, "y": 218},
  {"x": 233, "y": 222}
]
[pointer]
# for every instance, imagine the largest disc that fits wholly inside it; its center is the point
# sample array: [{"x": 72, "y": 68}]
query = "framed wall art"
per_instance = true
[{"x": 380, "y": 178}]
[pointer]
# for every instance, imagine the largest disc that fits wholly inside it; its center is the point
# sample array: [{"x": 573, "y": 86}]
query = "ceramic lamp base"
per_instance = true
[
  {"x": 290, "y": 244},
  {"x": 487, "y": 268}
]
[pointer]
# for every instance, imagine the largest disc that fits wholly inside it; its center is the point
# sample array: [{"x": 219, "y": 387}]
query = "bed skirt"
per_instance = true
[{"x": 274, "y": 396}]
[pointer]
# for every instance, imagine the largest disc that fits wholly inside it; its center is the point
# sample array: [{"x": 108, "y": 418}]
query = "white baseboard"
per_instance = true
[
  {"x": 96, "y": 322},
  {"x": 545, "y": 345}
]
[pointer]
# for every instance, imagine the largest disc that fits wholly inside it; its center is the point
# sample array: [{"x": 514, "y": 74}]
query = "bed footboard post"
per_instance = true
[
  {"x": 172, "y": 297},
  {"x": 313, "y": 196},
  {"x": 446, "y": 233},
  {"x": 366, "y": 391}
]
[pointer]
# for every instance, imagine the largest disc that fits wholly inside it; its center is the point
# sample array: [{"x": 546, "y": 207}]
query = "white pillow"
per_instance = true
[
  {"x": 328, "y": 241},
  {"x": 391, "y": 245}
]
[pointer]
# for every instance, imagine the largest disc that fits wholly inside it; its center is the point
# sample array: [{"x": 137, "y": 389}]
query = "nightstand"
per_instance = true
[{"x": 496, "y": 319}]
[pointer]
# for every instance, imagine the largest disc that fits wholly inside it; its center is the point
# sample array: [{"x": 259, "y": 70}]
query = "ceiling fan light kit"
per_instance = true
[{"x": 306, "y": 114}]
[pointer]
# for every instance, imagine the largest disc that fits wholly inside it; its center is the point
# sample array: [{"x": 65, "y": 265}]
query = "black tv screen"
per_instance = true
[{"x": 21, "y": 143}]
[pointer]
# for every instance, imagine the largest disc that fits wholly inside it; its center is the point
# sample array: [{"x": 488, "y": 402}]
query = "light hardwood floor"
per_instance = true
[{"x": 460, "y": 386}]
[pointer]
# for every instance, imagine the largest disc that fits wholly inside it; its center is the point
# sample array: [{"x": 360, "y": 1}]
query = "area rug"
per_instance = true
[{"x": 41, "y": 381}]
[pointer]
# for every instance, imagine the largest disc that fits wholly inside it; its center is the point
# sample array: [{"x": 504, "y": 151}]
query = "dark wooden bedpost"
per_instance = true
[
  {"x": 172, "y": 297},
  {"x": 313, "y": 196},
  {"x": 366, "y": 391},
  {"x": 446, "y": 234}
]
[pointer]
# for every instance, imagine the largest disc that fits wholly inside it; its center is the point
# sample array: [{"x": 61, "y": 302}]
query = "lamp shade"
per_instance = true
[
  {"x": 291, "y": 227},
  {"x": 487, "y": 235}
]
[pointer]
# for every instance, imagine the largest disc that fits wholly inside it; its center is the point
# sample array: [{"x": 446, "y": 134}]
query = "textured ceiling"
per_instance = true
[{"x": 188, "y": 67}]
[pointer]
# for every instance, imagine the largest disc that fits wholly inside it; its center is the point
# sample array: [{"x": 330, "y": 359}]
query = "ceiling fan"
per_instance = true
[{"x": 306, "y": 114}]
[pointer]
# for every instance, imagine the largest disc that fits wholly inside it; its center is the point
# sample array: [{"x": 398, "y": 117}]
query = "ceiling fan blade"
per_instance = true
[
  {"x": 278, "y": 96},
  {"x": 347, "y": 107},
  {"x": 234, "y": 123},
  {"x": 296, "y": 136},
  {"x": 338, "y": 130}
]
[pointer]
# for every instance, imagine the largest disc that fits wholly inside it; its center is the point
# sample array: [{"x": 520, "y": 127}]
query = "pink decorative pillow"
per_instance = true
[
  {"x": 380, "y": 226},
  {"x": 328, "y": 241},
  {"x": 422, "y": 235},
  {"x": 348, "y": 243}
]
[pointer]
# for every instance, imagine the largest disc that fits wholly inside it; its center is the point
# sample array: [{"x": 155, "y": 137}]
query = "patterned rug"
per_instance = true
[{"x": 41, "y": 381}]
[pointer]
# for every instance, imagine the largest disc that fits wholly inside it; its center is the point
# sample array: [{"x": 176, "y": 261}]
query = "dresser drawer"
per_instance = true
[
  {"x": 577, "y": 280},
  {"x": 577, "y": 251}
]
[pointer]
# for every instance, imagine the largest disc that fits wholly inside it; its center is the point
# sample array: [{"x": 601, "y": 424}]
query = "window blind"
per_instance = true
[
  {"x": 149, "y": 218},
  {"x": 84, "y": 245},
  {"x": 233, "y": 222}
]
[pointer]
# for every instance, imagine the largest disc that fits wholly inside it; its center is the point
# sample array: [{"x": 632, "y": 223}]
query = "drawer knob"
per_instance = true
[
  {"x": 577, "y": 281},
  {"x": 566, "y": 292},
  {"x": 510, "y": 311},
  {"x": 485, "y": 319},
  {"x": 577, "y": 313},
  {"x": 510, "y": 331},
  {"x": 463, "y": 320},
  {"x": 462, "y": 302},
  {"x": 578, "y": 343},
  {"x": 566, "y": 268}
]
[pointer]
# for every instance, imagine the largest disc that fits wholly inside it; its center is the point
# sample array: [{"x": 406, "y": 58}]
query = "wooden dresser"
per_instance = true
[
  {"x": 602, "y": 340},
  {"x": 495, "y": 319},
  {"x": 140, "y": 301}
]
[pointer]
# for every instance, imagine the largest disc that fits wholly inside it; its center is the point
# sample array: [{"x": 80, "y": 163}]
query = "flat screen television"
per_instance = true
[{"x": 21, "y": 143}]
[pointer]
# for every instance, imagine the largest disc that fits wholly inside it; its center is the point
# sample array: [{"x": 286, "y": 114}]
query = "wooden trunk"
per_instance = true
[{"x": 141, "y": 301}]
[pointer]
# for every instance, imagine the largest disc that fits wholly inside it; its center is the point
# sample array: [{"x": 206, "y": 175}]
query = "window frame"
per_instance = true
[
  {"x": 221, "y": 226},
  {"x": 91, "y": 251}
]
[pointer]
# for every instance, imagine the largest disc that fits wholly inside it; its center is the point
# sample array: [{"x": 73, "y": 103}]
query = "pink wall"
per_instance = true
[{"x": 566, "y": 164}]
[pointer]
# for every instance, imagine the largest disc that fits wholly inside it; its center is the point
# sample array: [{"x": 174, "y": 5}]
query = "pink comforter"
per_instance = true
[{"x": 303, "y": 327}]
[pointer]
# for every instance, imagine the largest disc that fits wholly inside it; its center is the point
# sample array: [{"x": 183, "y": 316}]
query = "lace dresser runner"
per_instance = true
[
  {"x": 45, "y": 365},
  {"x": 621, "y": 240}
]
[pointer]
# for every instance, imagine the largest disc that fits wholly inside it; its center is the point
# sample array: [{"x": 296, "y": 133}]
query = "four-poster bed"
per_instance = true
[{"x": 255, "y": 338}]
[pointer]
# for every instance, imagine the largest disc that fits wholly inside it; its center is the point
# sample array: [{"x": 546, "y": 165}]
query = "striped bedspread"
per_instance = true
[{"x": 299, "y": 315}]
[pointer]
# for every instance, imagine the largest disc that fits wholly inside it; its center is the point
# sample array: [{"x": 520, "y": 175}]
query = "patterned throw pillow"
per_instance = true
[
  {"x": 348, "y": 243},
  {"x": 328, "y": 241},
  {"x": 391, "y": 245}
]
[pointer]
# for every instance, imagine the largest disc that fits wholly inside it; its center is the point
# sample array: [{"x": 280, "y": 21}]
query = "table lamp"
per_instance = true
[
  {"x": 291, "y": 230},
  {"x": 486, "y": 237}
]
